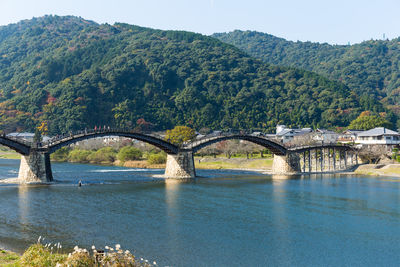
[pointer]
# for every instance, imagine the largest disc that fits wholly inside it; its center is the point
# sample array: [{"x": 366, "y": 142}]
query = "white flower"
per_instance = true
[
  {"x": 111, "y": 249},
  {"x": 76, "y": 248},
  {"x": 40, "y": 237},
  {"x": 93, "y": 247},
  {"x": 107, "y": 247},
  {"x": 141, "y": 259},
  {"x": 117, "y": 246},
  {"x": 155, "y": 263},
  {"x": 127, "y": 251}
]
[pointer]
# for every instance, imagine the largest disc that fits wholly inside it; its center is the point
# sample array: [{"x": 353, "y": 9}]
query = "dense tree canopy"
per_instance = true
[
  {"x": 371, "y": 69},
  {"x": 70, "y": 73}
]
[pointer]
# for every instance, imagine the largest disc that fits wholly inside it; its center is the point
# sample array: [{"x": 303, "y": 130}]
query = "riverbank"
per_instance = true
[
  {"x": 218, "y": 163},
  {"x": 264, "y": 164},
  {"x": 379, "y": 169}
]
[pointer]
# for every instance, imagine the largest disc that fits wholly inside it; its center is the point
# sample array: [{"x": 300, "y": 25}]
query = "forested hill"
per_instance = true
[
  {"x": 371, "y": 67},
  {"x": 73, "y": 73}
]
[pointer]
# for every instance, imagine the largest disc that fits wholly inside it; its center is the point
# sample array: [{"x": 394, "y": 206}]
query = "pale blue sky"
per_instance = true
[{"x": 332, "y": 21}]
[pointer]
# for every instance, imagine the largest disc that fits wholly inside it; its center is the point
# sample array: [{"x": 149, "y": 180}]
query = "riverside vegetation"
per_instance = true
[
  {"x": 109, "y": 155},
  {"x": 51, "y": 255}
]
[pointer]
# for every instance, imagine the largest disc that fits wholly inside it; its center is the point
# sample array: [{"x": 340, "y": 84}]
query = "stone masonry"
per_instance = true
[
  {"x": 35, "y": 168},
  {"x": 180, "y": 165},
  {"x": 286, "y": 164}
]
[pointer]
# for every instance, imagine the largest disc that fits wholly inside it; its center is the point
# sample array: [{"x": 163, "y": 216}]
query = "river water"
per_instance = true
[{"x": 226, "y": 218}]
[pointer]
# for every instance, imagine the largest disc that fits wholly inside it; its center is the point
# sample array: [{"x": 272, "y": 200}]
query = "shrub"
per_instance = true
[
  {"x": 79, "y": 258},
  {"x": 78, "y": 155},
  {"x": 129, "y": 153},
  {"x": 158, "y": 158},
  {"x": 103, "y": 155},
  {"x": 38, "y": 255}
]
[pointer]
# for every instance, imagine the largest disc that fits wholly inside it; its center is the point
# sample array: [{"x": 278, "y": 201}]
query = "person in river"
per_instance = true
[{"x": 80, "y": 183}]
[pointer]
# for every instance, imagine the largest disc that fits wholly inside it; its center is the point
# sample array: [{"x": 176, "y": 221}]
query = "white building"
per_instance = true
[{"x": 378, "y": 136}]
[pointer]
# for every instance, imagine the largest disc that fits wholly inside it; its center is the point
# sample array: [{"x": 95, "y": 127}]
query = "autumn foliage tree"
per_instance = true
[{"x": 180, "y": 134}]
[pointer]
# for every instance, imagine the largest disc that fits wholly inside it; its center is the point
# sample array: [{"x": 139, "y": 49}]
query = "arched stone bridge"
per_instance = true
[{"x": 36, "y": 167}]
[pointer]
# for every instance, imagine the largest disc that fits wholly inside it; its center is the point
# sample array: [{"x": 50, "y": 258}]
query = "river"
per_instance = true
[{"x": 226, "y": 218}]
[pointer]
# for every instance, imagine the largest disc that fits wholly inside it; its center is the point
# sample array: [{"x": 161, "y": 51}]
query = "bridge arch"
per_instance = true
[
  {"x": 274, "y": 147},
  {"x": 169, "y": 148},
  {"x": 18, "y": 146}
]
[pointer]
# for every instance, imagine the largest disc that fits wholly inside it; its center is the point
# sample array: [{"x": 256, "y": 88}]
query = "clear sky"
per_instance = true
[{"x": 331, "y": 21}]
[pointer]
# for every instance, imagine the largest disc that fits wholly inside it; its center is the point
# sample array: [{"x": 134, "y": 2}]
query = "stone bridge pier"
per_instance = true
[
  {"x": 287, "y": 164},
  {"x": 180, "y": 165},
  {"x": 35, "y": 167}
]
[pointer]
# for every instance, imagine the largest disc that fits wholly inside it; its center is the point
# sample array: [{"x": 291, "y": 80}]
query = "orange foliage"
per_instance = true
[{"x": 365, "y": 113}]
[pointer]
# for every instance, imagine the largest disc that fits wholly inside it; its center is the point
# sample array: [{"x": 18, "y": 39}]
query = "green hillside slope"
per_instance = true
[
  {"x": 371, "y": 67},
  {"x": 74, "y": 73}
]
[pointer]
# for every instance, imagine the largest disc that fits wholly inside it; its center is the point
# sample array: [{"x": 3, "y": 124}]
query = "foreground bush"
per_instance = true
[
  {"x": 129, "y": 153},
  {"x": 39, "y": 255}
]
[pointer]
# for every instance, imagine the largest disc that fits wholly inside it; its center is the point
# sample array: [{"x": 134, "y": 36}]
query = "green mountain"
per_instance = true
[
  {"x": 369, "y": 68},
  {"x": 72, "y": 73}
]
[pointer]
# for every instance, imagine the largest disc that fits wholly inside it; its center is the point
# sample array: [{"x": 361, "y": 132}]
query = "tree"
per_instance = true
[
  {"x": 366, "y": 122},
  {"x": 43, "y": 128},
  {"x": 180, "y": 134}
]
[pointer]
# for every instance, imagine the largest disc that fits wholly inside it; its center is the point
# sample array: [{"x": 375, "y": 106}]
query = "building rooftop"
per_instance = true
[
  {"x": 378, "y": 131},
  {"x": 294, "y": 132}
]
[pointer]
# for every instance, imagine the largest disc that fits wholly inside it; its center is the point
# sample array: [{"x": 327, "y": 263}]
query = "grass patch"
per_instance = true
[
  {"x": 9, "y": 259},
  {"x": 233, "y": 163},
  {"x": 9, "y": 155}
]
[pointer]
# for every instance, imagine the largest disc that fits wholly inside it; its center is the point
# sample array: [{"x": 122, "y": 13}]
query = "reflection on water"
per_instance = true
[
  {"x": 227, "y": 218},
  {"x": 23, "y": 204}
]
